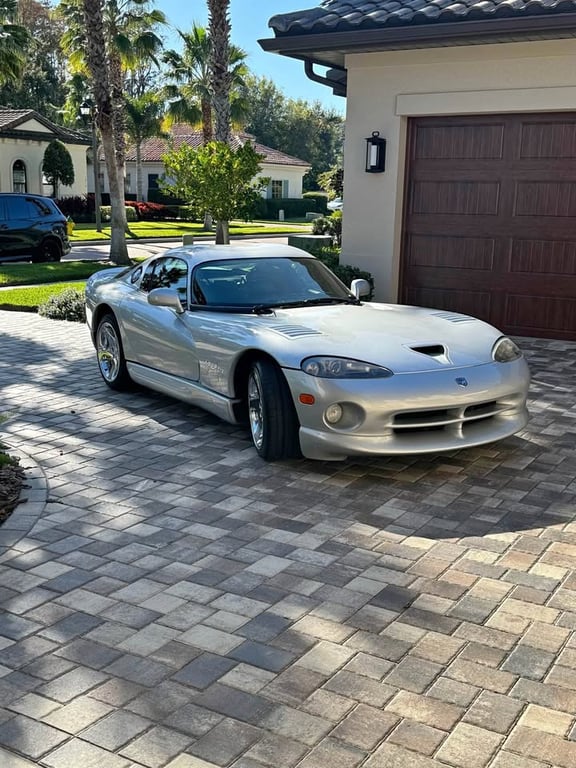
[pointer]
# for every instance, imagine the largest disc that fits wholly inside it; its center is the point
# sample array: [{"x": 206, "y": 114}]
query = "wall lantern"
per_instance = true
[{"x": 375, "y": 153}]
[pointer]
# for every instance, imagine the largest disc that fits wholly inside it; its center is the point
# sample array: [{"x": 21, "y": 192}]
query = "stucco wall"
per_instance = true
[
  {"x": 32, "y": 154},
  {"x": 292, "y": 174},
  {"x": 385, "y": 89}
]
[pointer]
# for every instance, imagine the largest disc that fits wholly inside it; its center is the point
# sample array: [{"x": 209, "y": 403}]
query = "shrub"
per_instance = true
[
  {"x": 77, "y": 206},
  {"x": 329, "y": 225},
  {"x": 345, "y": 272},
  {"x": 320, "y": 198},
  {"x": 67, "y": 305},
  {"x": 158, "y": 196},
  {"x": 293, "y": 207},
  {"x": 106, "y": 213},
  {"x": 151, "y": 211}
]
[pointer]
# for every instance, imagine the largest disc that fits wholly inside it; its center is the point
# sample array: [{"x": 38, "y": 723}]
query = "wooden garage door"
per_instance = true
[{"x": 490, "y": 220}]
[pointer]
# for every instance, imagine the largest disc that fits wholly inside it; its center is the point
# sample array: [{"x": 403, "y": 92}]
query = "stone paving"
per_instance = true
[{"x": 177, "y": 602}]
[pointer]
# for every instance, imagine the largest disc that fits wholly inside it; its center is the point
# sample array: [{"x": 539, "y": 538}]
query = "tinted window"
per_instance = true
[
  {"x": 168, "y": 272},
  {"x": 248, "y": 282}
]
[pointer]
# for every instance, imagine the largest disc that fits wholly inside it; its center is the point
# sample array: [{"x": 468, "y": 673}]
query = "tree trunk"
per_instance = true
[
  {"x": 207, "y": 132},
  {"x": 219, "y": 31},
  {"x": 98, "y": 67},
  {"x": 139, "y": 195}
]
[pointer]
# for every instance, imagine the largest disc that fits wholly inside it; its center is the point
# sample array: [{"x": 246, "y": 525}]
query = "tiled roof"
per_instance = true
[
  {"x": 153, "y": 149},
  {"x": 349, "y": 15},
  {"x": 13, "y": 119}
]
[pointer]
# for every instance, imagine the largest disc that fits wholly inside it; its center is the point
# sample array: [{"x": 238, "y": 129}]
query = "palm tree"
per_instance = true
[
  {"x": 128, "y": 27},
  {"x": 190, "y": 94},
  {"x": 99, "y": 69},
  {"x": 14, "y": 39},
  {"x": 143, "y": 121}
]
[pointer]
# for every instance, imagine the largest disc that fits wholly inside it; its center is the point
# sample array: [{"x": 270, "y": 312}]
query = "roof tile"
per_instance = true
[
  {"x": 347, "y": 15},
  {"x": 153, "y": 149}
]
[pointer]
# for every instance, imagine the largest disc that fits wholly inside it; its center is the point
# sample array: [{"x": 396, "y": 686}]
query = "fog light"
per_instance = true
[{"x": 333, "y": 413}]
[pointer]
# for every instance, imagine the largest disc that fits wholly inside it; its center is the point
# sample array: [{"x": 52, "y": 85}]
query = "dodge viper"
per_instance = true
[{"x": 267, "y": 335}]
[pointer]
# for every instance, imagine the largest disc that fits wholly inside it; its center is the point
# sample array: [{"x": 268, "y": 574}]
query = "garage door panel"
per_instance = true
[
  {"x": 494, "y": 236},
  {"x": 547, "y": 140},
  {"x": 545, "y": 198},
  {"x": 544, "y": 257},
  {"x": 545, "y": 313},
  {"x": 451, "y": 252},
  {"x": 464, "y": 198},
  {"x": 462, "y": 142},
  {"x": 477, "y": 303}
]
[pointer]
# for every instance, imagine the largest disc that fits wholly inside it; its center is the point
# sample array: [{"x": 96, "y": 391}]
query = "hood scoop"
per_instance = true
[
  {"x": 437, "y": 352},
  {"x": 294, "y": 331}
]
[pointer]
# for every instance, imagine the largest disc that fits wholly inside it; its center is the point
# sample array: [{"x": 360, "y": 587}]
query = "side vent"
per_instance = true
[{"x": 454, "y": 317}]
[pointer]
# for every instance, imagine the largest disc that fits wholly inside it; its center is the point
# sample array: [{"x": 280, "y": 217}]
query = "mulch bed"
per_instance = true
[{"x": 11, "y": 483}]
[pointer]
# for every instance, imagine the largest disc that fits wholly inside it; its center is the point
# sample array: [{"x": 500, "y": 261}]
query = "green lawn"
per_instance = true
[
  {"x": 153, "y": 229},
  {"x": 31, "y": 274},
  {"x": 29, "y": 299}
]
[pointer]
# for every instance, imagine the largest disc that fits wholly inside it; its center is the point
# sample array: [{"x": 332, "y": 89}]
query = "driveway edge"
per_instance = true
[{"x": 32, "y": 501}]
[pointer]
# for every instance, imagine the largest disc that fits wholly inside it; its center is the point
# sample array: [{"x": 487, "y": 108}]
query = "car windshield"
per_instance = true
[{"x": 264, "y": 283}]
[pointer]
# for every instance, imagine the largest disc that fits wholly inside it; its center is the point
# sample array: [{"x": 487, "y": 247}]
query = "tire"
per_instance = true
[
  {"x": 271, "y": 413},
  {"x": 110, "y": 354},
  {"x": 48, "y": 250}
]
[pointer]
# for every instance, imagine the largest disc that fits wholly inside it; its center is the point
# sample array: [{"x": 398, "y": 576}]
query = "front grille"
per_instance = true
[{"x": 455, "y": 420}]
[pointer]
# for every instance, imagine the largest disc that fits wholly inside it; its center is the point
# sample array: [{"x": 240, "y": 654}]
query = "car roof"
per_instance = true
[{"x": 197, "y": 254}]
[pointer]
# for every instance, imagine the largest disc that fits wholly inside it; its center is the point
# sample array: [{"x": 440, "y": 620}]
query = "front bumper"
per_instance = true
[{"x": 412, "y": 413}]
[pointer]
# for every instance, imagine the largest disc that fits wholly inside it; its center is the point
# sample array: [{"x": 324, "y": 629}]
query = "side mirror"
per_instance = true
[
  {"x": 166, "y": 297},
  {"x": 360, "y": 288}
]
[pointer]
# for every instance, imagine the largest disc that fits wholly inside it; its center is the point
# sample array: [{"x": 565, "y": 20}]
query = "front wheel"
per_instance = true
[
  {"x": 110, "y": 353},
  {"x": 273, "y": 420}
]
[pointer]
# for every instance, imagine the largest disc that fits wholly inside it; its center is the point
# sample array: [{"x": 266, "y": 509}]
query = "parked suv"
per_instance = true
[{"x": 31, "y": 227}]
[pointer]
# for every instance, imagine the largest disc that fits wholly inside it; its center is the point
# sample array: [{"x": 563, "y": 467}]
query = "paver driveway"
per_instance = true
[{"x": 180, "y": 602}]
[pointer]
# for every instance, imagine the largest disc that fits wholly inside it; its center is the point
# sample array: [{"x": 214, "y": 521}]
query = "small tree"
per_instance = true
[
  {"x": 57, "y": 166},
  {"x": 218, "y": 179}
]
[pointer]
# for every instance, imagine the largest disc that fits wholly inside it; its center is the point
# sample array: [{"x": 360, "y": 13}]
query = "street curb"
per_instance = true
[
  {"x": 32, "y": 501},
  {"x": 199, "y": 238}
]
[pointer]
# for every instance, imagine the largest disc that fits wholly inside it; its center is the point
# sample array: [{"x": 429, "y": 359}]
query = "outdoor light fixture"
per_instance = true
[{"x": 375, "y": 153}]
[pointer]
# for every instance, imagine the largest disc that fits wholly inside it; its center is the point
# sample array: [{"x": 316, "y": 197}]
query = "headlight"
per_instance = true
[
  {"x": 504, "y": 351},
  {"x": 343, "y": 368}
]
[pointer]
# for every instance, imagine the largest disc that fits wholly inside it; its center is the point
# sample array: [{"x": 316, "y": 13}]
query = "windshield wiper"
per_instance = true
[{"x": 263, "y": 309}]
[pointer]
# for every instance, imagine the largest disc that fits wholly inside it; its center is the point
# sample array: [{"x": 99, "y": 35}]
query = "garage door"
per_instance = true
[{"x": 490, "y": 220}]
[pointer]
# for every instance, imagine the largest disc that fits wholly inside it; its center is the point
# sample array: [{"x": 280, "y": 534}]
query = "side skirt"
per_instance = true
[{"x": 185, "y": 390}]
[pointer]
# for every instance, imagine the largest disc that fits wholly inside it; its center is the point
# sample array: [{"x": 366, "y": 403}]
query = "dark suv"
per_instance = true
[{"x": 31, "y": 227}]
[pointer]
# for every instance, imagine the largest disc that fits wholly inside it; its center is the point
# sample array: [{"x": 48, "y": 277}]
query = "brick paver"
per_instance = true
[{"x": 177, "y": 602}]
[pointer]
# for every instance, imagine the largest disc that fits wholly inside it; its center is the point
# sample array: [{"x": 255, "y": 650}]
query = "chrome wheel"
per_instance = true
[
  {"x": 255, "y": 410},
  {"x": 108, "y": 349}
]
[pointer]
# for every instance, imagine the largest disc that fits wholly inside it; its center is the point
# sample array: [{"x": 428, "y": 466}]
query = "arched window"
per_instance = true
[{"x": 19, "y": 183}]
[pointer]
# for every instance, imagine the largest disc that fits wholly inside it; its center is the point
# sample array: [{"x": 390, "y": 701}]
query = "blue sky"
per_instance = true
[{"x": 249, "y": 24}]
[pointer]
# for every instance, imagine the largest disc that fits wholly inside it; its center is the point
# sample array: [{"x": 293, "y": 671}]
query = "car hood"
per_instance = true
[{"x": 404, "y": 339}]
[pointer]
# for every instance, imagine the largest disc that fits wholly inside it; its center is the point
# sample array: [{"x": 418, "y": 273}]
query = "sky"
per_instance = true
[{"x": 249, "y": 24}]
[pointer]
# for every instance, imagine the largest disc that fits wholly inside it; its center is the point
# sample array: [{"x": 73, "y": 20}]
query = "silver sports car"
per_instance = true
[{"x": 267, "y": 335}]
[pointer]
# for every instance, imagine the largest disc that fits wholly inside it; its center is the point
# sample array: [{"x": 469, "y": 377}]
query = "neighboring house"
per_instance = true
[
  {"x": 24, "y": 136},
  {"x": 285, "y": 172},
  {"x": 476, "y": 208}
]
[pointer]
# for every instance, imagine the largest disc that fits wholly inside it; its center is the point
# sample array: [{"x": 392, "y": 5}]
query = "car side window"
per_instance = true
[
  {"x": 18, "y": 208},
  {"x": 37, "y": 207},
  {"x": 167, "y": 272}
]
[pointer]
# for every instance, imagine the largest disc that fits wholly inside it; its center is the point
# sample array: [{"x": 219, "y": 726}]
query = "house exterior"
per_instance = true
[
  {"x": 285, "y": 172},
  {"x": 24, "y": 136},
  {"x": 476, "y": 208}
]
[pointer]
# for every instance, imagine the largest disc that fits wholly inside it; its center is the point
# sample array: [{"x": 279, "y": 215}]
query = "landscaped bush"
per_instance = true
[
  {"x": 345, "y": 272},
  {"x": 320, "y": 198},
  {"x": 106, "y": 213},
  {"x": 67, "y": 305},
  {"x": 80, "y": 208},
  {"x": 329, "y": 225},
  {"x": 293, "y": 207},
  {"x": 158, "y": 196},
  {"x": 151, "y": 211}
]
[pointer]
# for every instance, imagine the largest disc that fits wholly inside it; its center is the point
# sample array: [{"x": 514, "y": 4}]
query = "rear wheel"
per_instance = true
[
  {"x": 271, "y": 413},
  {"x": 49, "y": 250},
  {"x": 110, "y": 353}
]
